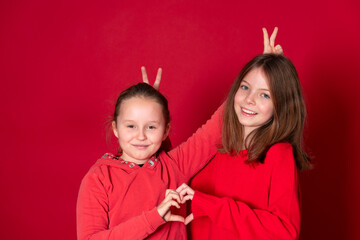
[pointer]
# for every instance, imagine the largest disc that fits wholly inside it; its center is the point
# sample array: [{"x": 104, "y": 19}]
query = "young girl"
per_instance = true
[
  {"x": 250, "y": 189},
  {"x": 122, "y": 197}
]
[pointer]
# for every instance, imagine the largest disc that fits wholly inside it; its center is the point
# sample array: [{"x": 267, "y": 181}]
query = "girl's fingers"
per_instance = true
[
  {"x": 279, "y": 50},
  {"x": 158, "y": 79},
  {"x": 184, "y": 189},
  {"x": 168, "y": 191},
  {"x": 146, "y": 79},
  {"x": 144, "y": 75},
  {"x": 188, "y": 219},
  {"x": 266, "y": 40},
  {"x": 187, "y": 197},
  {"x": 165, "y": 210},
  {"x": 171, "y": 194},
  {"x": 184, "y": 192},
  {"x": 173, "y": 203},
  {"x": 168, "y": 203},
  {"x": 176, "y": 218},
  {"x": 181, "y": 187},
  {"x": 269, "y": 43},
  {"x": 273, "y": 37}
]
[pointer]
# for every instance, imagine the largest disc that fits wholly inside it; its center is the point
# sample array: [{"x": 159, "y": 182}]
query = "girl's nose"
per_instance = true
[
  {"x": 141, "y": 134},
  {"x": 250, "y": 98}
]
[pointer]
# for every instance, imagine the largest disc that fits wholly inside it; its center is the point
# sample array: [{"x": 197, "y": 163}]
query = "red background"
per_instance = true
[{"x": 62, "y": 65}]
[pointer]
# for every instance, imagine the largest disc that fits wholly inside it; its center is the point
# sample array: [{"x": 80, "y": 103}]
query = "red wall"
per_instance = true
[{"x": 63, "y": 63}]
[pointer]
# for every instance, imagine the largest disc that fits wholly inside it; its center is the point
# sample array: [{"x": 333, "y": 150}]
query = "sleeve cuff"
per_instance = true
[
  {"x": 202, "y": 204},
  {"x": 154, "y": 219}
]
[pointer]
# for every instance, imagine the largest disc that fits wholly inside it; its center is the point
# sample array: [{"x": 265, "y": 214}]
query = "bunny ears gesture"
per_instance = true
[
  {"x": 157, "y": 79},
  {"x": 269, "y": 43}
]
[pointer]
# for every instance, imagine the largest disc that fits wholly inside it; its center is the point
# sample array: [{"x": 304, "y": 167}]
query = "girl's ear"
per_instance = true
[
  {"x": 167, "y": 130},
  {"x": 113, "y": 124}
]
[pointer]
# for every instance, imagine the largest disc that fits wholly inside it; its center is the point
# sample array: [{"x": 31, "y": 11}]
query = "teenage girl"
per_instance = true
[{"x": 250, "y": 189}]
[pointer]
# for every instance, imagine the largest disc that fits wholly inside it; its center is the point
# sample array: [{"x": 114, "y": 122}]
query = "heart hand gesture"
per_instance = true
[
  {"x": 186, "y": 193},
  {"x": 172, "y": 198}
]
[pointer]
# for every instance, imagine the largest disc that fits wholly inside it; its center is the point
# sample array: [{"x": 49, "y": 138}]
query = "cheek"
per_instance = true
[
  {"x": 268, "y": 110},
  {"x": 237, "y": 98},
  {"x": 160, "y": 137},
  {"x": 124, "y": 134}
]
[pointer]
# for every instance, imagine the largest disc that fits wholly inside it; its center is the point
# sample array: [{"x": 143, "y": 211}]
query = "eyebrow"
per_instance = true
[
  {"x": 263, "y": 89},
  {"x": 132, "y": 121}
]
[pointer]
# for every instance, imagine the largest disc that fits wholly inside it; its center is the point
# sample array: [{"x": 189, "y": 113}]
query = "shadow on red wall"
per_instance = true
[{"x": 328, "y": 192}]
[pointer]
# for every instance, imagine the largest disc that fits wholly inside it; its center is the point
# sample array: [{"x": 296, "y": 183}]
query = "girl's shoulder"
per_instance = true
[
  {"x": 280, "y": 147},
  {"x": 102, "y": 165},
  {"x": 280, "y": 153},
  {"x": 99, "y": 174},
  {"x": 108, "y": 159}
]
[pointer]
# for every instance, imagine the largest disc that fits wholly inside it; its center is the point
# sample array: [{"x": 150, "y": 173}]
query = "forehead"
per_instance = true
[
  {"x": 141, "y": 108},
  {"x": 257, "y": 78}
]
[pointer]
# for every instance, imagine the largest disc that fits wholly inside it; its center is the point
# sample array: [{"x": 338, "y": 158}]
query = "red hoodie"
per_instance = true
[{"x": 118, "y": 199}]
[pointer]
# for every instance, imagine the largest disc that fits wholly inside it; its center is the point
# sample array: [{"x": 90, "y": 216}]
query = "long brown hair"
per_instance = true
[
  {"x": 146, "y": 91},
  {"x": 287, "y": 123}
]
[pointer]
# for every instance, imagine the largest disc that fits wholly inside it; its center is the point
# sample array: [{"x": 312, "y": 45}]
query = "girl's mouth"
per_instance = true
[
  {"x": 140, "y": 146},
  {"x": 247, "y": 112}
]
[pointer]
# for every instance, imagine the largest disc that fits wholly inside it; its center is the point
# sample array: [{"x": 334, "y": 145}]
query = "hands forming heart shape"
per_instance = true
[{"x": 174, "y": 198}]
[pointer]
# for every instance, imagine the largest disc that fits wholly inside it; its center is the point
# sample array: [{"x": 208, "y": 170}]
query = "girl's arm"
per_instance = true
[
  {"x": 279, "y": 220},
  {"x": 93, "y": 212},
  {"x": 201, "y": 147}
]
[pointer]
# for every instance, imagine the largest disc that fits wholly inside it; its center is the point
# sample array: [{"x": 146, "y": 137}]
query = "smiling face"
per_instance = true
[
  {"x": 140, "y": 128},
  {"x": 252, "y": 102}
]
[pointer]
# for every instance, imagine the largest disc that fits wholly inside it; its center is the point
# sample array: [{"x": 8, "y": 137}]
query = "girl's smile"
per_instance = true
[
  {"x": 247, "y": 112},
  {"x": 140, "y": 147}
]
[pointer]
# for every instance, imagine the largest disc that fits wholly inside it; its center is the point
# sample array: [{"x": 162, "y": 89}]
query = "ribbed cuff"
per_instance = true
[
  {"x": 154, "y": 219},
  {"x": 201, "y": 203}
]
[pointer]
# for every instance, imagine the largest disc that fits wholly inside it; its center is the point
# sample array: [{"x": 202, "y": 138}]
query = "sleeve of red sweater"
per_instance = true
[
  {"x": 281, "y": 218},
  {"x": 200, "y": 148},
  {"x": 92, "y": 213}
]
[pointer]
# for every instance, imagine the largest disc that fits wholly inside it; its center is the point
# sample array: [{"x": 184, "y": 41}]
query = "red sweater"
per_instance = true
[
  {"x": 118, "y": 199},
  {"x": 235, "y": 200}
]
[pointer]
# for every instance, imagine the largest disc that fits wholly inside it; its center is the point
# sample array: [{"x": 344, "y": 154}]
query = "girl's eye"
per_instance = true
[
  {"x": 151, "y": 127},
  {"x": 244, "y": 87},
  {"x": 130, "y": 126},
  {"x": 265, "y": 95}
]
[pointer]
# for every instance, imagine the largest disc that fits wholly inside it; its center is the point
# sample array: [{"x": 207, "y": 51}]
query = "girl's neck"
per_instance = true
[
  {"x": 247, "y": 137},
  {"x": 134, "y": 160}
]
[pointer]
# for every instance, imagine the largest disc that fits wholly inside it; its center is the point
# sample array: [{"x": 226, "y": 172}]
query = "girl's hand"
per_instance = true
[
  {"x": 172, "y": 198},
  {"x": 269, "y": 44},
  {"x": 157, "y": 80},
  {"x": 186, "y": 193}
]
